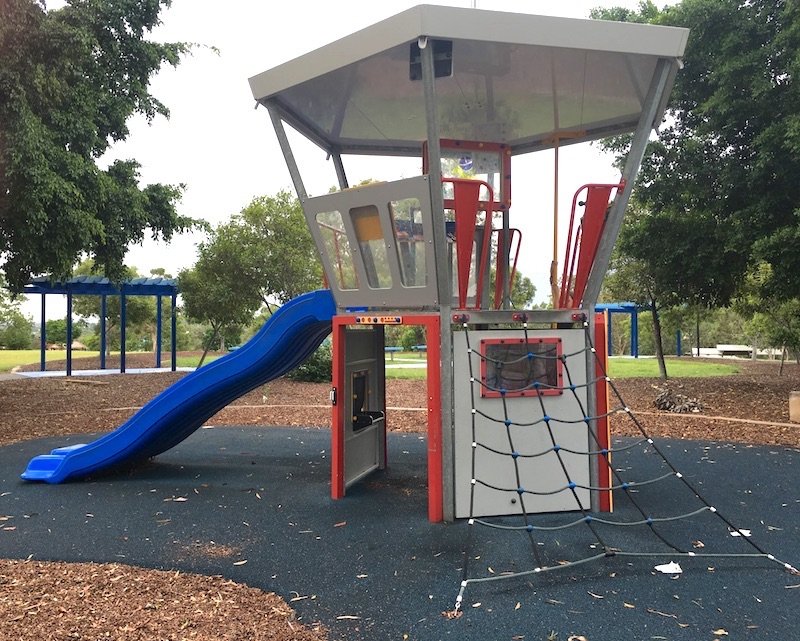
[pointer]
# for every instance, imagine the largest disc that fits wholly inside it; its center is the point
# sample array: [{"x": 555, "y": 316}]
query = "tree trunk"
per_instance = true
[
  {"x": 207, "y": 345},
  {"x": 783, "y": 359},
  {"x": 697, "y": 331},
  {"x": 662, "y": 364}
]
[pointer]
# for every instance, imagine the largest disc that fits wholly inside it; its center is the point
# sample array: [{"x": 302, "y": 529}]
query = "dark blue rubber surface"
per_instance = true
[
  {"x": 371, "y": 568},
  {"x": 288, "y": 338}
]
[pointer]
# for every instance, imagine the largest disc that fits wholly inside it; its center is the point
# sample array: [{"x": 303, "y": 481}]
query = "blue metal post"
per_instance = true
[
  {"x": 678, "y": 346},
  {"x": 158, "y": 331},
  {"x": 69, "y": 332},
  {"x": 174, "y": 329},
  {"x": 43, "y": 338},
  {"x": 609, "y": 316},
  {"x": 103, "y": 343},
  {"x": 635, "y": 333},
  {"x": 122, "y": 321}
]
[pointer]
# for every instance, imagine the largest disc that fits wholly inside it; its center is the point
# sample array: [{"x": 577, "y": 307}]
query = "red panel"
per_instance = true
[
  {"x": 582, "y": 242},
  {"x": 594, "y": 219},
  {"x": 603, "y": 428},
  {"x": 433, "y": 337},
  {"x": 337, "y": 411},
  {"x": 465, "y": 195}
]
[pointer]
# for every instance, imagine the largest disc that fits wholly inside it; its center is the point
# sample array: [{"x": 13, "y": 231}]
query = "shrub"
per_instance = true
[{"x": 316, "y": 369}]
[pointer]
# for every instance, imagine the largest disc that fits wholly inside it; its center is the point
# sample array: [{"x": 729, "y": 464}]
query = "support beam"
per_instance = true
[
  {"x": 43, "y": 337},
  {"x": 288, "y": 155},
  {"x": 340, "y": 173},
  {"x": 122, "y": 322},
  {"x": 103, "y": 330},
  {"x": 158, "y": 332},
  {"x": 174, "y": 321},
  {"x": 650, "y": 112},
  {"x": 443, "y": 283},
  {"x": 69, "y": 333}
]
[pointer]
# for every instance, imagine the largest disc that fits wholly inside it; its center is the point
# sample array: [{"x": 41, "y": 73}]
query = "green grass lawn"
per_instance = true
[
  {"x": 407, "y": 372},
  {"x": 676, "y": 368},
  {"x": 618, "y": 367},
  {"x": 10, "y": 358},
  {"x": 192, "y": 361}
]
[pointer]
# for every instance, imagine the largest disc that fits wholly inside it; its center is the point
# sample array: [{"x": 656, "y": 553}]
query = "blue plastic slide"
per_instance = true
[{"x": 288, "y": 338}]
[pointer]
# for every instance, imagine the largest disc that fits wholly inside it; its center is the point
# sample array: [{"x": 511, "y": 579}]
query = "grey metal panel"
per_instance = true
[
  {"x": 541, "y": 474},
  {"x": 471, "y": 24},
  {"x": 364, "y": 450},
  {"x": 533, "y": 316},
  {"x": 398, "y": 296}
]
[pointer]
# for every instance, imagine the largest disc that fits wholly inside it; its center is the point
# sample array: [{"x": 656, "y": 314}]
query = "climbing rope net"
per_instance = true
[{"x": 517, "y": 373}]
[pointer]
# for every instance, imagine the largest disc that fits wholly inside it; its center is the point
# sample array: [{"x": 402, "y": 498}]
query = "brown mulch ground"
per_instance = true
[{"x": 89, "y": 601}]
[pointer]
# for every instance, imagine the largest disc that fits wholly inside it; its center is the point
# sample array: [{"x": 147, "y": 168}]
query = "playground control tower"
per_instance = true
[{"x": 466, "y": 91}]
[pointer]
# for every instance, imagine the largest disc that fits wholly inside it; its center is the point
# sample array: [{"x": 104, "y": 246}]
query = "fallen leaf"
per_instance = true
[
  {"x": 628, "y": 605},
  {"x": 698, "y": 544},
  {"x": 348, "y": 617},
  {"x": 242, "y": 562},
  {"x": 721, "y": 632},
  {"x": 476, "y": 605},
  {"x": 575, "y": 637},
  {"x": 452, "y": 614},
  {"x": 340, "y": 524},
  {"x": 518, "y": 606},
  {"x": 596, "y": 596}
]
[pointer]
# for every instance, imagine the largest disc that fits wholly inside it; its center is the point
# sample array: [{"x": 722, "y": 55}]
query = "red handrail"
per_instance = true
[
  {"x": 580, "y": 254},
  {"x": 466, "y": 204}
]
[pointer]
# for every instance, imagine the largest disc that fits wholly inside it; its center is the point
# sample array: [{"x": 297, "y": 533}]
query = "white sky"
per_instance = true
[{"x": 226, "y": 153}]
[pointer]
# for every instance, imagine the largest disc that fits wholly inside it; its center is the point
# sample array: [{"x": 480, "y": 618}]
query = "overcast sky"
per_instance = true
[{"x": 225, "y": 151}]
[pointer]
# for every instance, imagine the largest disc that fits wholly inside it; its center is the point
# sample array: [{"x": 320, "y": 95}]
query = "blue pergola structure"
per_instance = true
[
  {"x": 103, "y": 287},
  {"x": 624, "y": 308}
]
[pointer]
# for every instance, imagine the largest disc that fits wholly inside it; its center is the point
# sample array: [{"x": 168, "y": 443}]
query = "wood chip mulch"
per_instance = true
[
  {"x": 88, "y": 601},
  {"x": 112, "y": 601}
]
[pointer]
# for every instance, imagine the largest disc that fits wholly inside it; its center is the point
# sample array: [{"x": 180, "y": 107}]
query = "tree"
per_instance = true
[
  {"x": 630, "y": 279},
  {"x": 277, "y": 246},
  {"x": 140, "y": 311},
  {"x": 16, "y": 331},
  {"x": 523, "y": 291},
  {"x": 15, "y": 328},
  {"x": 69, "y": 81},
  {"x": 56, "y": 330},
  {"x": 728, "y": 151},
  {"x": 218, "y": 289}
]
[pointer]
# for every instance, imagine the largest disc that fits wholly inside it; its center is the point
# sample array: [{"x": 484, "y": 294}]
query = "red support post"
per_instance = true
[
  {"x": 601, "y": 408},
  {"x": 337, "y": 410}
]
